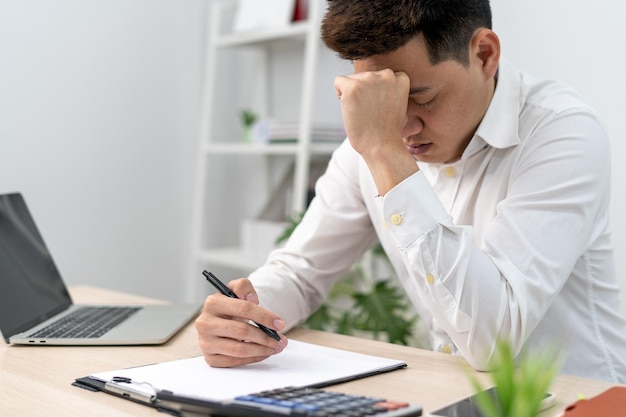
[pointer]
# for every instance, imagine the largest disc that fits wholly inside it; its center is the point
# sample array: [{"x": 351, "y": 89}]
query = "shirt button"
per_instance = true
[
  {"x": 446, "y": 349},
  {"x": 396, "y": 219},
  {"x": 450, "y": 172},
  {"x": 430, "y": 278}
]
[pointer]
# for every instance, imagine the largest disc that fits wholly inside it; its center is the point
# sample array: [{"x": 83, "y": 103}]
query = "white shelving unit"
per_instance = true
[{"x": 225, "y": 161}]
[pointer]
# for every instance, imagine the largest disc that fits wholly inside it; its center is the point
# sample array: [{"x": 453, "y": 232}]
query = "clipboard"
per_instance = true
[
  {"x": 184, "y": 386},
  {"x": 163, "y": 401}
]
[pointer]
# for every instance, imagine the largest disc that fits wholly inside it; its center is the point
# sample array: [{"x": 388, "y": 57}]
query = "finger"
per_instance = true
[
  {"x": 246, "y": 309},
  {"x": 223, "y": 361},
  {"x": 252, "y": 312},
  {"x": 225, "y": 351},
  {"x": 230, "y": 318},
  {"x": 242, "y": 348},
  {"x": 221, "y": 352},
  {"x": 239, "y": 341},
  {"x": 402, "y": 77},
  {"x": 244, "y": 290},
  {"x": 340, "y": 84}
]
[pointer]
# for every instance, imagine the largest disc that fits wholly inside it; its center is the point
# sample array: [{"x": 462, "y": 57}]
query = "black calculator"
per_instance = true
[{"x": 305, "y": 402}]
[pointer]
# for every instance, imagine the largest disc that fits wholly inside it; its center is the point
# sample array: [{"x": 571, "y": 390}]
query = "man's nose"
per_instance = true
[{"x": 414, "y": 125}]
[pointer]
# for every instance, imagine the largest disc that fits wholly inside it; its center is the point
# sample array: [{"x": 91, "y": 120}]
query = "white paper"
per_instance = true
[
  {"x": 300, "y": 364},
  {"x": 263, "y": 14}
]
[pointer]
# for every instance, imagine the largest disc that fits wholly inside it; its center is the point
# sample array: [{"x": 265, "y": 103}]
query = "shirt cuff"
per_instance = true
[{"x": 412, "y": 208}]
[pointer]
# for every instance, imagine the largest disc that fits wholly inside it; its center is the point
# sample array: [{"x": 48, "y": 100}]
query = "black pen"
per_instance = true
[{"x": 221, "y": 287}]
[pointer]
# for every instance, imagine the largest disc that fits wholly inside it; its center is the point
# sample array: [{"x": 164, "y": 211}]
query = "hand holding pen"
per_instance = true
[
  {"x": 221, "y": 287},
  {"x": 226, "y": 331}
]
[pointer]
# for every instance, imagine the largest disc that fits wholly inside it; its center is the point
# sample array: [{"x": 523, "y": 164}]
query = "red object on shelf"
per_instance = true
[{"x": 300, "y": 10}]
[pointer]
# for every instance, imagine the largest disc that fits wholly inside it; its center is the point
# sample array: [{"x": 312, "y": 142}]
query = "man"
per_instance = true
[{"x": 488, "y": 189}]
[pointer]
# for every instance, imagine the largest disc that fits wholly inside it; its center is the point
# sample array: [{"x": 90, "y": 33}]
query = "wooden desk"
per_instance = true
[{"x": 36, "y": 380}]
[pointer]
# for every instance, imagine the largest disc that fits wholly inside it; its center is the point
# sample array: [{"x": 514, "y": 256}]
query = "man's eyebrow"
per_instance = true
[{"x": 418, "y": 90}]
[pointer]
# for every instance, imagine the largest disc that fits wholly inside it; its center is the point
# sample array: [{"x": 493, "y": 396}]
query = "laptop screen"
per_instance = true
[{"x": 31, "y": 288}]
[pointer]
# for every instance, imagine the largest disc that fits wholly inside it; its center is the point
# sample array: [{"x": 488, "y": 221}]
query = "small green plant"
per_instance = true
[
  {"x": 519, "y": 387},
  {"x": 248, "y": 118},
  {"x": 361, "y": 304},
  {"x": 292, "y": 223}
]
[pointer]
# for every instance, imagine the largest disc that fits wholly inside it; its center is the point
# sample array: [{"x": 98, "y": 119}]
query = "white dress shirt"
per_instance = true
[{"x": 511, "y": 240}]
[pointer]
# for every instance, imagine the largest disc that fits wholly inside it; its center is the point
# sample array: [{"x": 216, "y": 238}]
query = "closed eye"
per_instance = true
[
  {"x": 422, "y": 96},
  {"x": 424, "y": 103}
]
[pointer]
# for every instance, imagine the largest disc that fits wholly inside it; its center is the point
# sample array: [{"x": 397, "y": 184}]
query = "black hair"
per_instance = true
[{"x": 358, "y": 29}]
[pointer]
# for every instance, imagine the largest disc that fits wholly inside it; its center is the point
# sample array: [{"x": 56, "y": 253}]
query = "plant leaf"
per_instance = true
[
  {"x": 292, "y": 223},
  {"x": 383, "y": 310},
  {"x": 321, "y": 319},
  {"x": 485, "y": 402},
  {"x": 519, "y": 390}
]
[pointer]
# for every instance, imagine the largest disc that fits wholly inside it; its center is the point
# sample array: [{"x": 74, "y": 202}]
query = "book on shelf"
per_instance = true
[{"x": 274, "y": 132}]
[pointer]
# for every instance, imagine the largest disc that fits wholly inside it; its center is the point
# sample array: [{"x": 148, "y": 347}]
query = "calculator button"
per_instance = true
[
  {"x": 286, "y": 403},
  {"x": 392, "y": 405}
]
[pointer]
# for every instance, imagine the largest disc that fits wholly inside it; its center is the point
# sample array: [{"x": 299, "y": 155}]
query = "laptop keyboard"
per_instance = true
[{"x": 86, "y": 322}]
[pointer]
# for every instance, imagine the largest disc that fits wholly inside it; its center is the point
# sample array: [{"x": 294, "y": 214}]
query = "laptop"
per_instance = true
[{"x": 35, "y": 305}]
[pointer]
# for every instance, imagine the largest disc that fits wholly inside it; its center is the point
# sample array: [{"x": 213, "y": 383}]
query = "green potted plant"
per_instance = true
[
  {"x": 519, "y": 386},
  {"x": 248, "y": 118}
]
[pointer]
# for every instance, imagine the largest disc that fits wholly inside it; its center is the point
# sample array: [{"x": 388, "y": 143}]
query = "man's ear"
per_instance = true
[{"x": 485, "y": 50}]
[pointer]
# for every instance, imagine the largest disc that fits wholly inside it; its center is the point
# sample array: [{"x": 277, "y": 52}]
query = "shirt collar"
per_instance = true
[{"x": 499, "y": 126}]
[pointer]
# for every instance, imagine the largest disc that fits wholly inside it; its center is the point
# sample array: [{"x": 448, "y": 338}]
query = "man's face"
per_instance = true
[{"x": 446, "y": 101}]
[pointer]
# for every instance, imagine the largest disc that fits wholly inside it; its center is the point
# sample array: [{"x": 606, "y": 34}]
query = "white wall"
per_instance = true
[
  {"x": 99, "y": 107},
  {"x": 583, "y": 44}
]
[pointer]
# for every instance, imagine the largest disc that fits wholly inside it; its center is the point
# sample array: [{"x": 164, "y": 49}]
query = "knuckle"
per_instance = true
[
  {"x": 247, "y": 308},
  {"x": 203, "y": 322},
  {"x": 240, "y": 350},
  {"x": 238, "y": 283},
  {"x": 209, "y": 303},
  {"x": 241, "y": 331},
  {"x": 216, "y": 361},
  {"x": 206, "y": 348},
  {"x": 199, "y": 323}
]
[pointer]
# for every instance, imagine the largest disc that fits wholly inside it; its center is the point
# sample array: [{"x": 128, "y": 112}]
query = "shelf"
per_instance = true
[
  {"x": 321, "y": 148},
  {"x": 324, "y": 148},
  {"x": 232, "y": 258},
  {"x": 295, "y": 31},
  {"x": 283, "y": 172}
]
